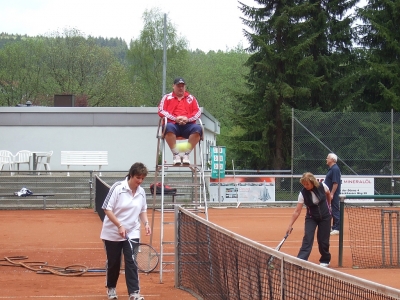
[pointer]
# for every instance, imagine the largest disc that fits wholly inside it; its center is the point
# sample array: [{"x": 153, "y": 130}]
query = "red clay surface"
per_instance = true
[{"x": 68, "y": 237}]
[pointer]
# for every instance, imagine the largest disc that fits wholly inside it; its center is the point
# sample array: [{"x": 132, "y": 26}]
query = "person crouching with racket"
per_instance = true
[
  {"x": 316, "y": 197},
  {"x": 125, "y": 207}
]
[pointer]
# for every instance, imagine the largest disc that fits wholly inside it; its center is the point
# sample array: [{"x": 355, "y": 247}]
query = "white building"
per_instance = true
[{"x": 127, "y": 133}]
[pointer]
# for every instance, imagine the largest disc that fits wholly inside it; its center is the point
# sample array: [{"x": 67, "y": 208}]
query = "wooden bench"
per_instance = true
[{"x": 84, "y": 158}]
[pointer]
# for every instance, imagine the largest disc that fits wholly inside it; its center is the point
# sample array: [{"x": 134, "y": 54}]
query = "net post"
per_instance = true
[
  {"x": 383, "y": 236},
  {"x": 176, "y": 229},
  {"x": 391, "y": 238},
  {"x": 398, "y": 238},
  {"x": 342, "y": 198}
]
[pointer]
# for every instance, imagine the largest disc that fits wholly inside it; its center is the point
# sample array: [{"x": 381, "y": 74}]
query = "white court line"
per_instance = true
[
  {"x": 100, "y": 248},
  {"x": 72, "y": 297},
  {"x": 269, "y": 214},
  {"x": 58, "y": 248},
  {"x": 233, "y": 227},
  {"x": 52, "y": 297}
]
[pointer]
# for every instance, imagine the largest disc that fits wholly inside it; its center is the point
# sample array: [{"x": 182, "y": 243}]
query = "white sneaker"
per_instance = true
[
  {"x": 135, "y": 296},
  {"x": 334, "y": 232},
  {"x": 185, "y": 160},
  {"x": 325, "y": 265},
  {"x": 177, "y": 159},
  {"x": 112, "y": 293}
]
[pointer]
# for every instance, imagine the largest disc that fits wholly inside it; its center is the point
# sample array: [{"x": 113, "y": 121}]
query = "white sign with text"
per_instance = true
[{"x": 356, "y": 186}]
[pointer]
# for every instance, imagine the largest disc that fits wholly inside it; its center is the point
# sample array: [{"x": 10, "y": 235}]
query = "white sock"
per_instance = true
[{"x": 175, "y": 151}]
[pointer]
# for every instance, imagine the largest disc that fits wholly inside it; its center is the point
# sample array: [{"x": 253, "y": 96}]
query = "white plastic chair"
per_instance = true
[
  {"x": 23, "y": 157},
  {"x": 6, "y": 158},
  {"x": 44, "y": 160}
]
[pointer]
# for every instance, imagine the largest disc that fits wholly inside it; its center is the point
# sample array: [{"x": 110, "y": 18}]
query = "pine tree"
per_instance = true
[
  {"x": 379, "y": 81},
  {"x": 296, "y": 46}
]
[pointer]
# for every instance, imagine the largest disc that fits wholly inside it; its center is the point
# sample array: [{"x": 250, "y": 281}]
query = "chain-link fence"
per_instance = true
[
  {"x": 365, "y": 143},
  {"x": 78, "y": 190}
]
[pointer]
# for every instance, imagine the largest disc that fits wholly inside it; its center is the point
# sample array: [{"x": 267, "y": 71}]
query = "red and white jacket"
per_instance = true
[{"x": 170, "y": 101}]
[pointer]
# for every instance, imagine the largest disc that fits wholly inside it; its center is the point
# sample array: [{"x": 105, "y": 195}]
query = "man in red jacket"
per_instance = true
[{"x": 181, "y": 110}]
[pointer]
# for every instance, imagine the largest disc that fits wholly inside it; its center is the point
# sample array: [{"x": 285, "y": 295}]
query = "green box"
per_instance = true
[{"x": 218, "y": 161}]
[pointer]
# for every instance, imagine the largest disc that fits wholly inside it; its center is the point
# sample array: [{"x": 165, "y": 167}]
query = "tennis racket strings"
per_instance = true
[{"x": 144, "y": 256}]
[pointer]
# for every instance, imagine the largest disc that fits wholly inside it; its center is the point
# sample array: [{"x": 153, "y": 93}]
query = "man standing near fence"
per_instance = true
[{"x": 333, "y": 181}]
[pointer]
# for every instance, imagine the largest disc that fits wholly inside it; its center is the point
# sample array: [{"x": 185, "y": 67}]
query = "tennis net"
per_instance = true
[
  {"x": 215, "y": 263},
  {"x": 374, "y": 236}
]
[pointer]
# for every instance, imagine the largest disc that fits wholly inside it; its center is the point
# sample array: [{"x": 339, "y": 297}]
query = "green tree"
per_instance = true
[
  {"x": 331, "y": 35},
  {"x": 6, "y": 38},
  {"x": 79, "y": 66},
  {"x": 145, "y": 58},
  {"x": 117, "y": 45},
  {"x": 21, "y": 72},
  {"x": 379, "y": 78},
  {"x": 215, "y": 78},
  {"x": 296, "y": 47}
]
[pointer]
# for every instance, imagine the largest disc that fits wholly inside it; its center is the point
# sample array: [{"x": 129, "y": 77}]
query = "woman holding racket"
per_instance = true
[
  {"x": 317, "y": 198},
  {"x": 125, "y": 208}
]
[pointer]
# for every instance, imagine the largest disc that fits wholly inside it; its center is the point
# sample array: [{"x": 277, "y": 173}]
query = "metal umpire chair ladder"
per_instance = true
[{"x": 198, "y": 188}]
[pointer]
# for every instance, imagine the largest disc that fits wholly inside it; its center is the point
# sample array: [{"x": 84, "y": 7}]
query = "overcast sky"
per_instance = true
[{"x": 206, "y": 24}]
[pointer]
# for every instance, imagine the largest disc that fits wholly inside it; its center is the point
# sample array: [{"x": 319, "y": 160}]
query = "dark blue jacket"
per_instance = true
[{"x": 317, "y": 211}]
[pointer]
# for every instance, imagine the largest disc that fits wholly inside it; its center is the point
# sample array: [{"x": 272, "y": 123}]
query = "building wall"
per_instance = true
[{"x": 127, "y": 133}]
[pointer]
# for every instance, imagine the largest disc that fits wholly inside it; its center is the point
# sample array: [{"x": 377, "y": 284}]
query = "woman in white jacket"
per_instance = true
[{"x": 125, "y": 207}]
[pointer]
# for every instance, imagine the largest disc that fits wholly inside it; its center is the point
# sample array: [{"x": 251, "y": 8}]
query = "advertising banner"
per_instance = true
[
  {"x": 242, "y": 189},
  {"x": 356, "y": 186}
]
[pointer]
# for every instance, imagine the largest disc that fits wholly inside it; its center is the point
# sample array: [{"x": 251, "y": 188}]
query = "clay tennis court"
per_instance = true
[{"x": 71, "y": 237}]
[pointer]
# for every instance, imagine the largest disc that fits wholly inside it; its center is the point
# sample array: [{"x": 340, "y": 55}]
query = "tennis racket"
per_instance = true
[
  {"x": 277, "y": 248},
  {"x": 144, "y": 256}
]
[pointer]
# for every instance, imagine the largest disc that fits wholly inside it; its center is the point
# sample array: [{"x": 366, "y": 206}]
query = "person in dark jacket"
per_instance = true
[
  {"x": 333, "y": 181},
  {"x": 317, "y": 199}
]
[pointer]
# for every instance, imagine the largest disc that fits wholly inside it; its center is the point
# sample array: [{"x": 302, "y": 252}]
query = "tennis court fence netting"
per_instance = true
[
  {"x": 374, "y": 234},
  {"x": 215, "y": 263}
]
